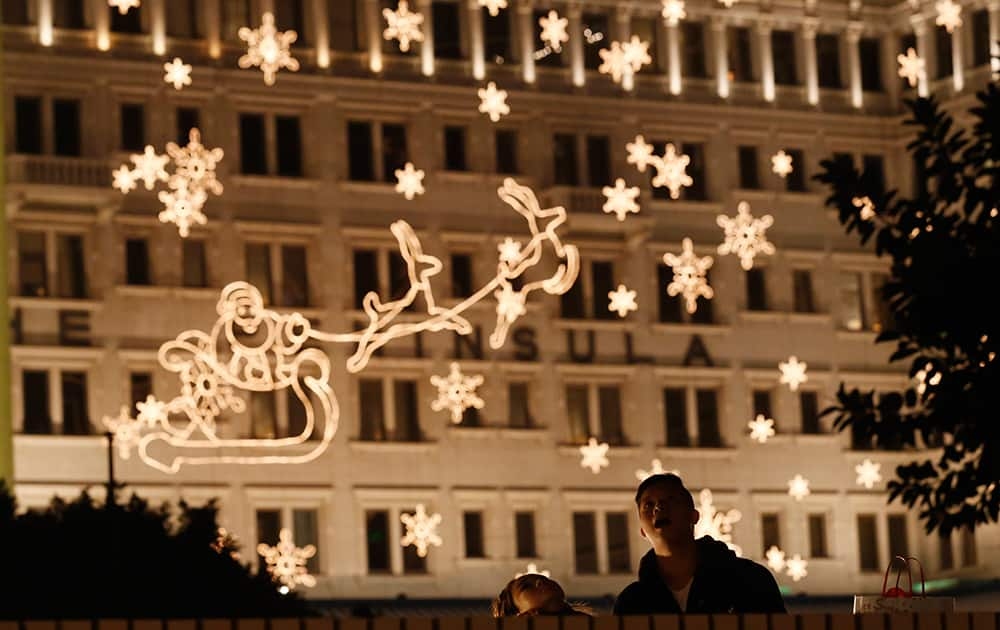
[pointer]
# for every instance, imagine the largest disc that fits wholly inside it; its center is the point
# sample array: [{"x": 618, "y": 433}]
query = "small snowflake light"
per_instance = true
[
  {"x": 493, "y": 6},
  {"x": 268, "y": 48},
  {"x": 122, "y": 179},
  {"x": 868, "y": 474},
  {"x": 689, "y": 275},
  {"x": 409, "y": 181},
  {"x": 123, "y": 6},
  {"x": 745, "y": 235},
  {"x": 533, "y": 570},
  {"x": 866, "y": 205},
  {"x": 673, "y": 11},
  {"x": 554, "y": 30},
  {"x": 594, "y": 455},
  {"x": 640, "y": 153},
  {"x": 622, "y": 301},
  {"x": 911, "y": 67},
  {"x": 793, "y": 373},
  {"x": 621, "y": 199},
  {"x": 761, "y": 428},
  {"x": 796, "y": 567},
  {"x": 510, "y": 250},
  {"x": 949, "y": 14},
  {"x": 421, "y": 530},
  {"x": 182, "y": 207},
  {"x": 781, "y": 164},
  {"x": 493, "y": 102},
  {"x": 655, "y": 469},
  {"x": 457, "y": 392},
  {"x": 775, "y": 558},
  {"x": 403, "y": 25},
  {"x": 125, "y": 430},
  {"x": 670, "y": 171},
  {"x": 178, "y": 73},
  {"x": 624, "y": 59},
  {"x": 510, "y": 304},
  {"x": 798, "y": 488},
  {"x": 287, "y": 563},
  {"x": 150, "y": 167},
  {"x": 718, "y": 525},
  {"x": 151, "y": 410}
]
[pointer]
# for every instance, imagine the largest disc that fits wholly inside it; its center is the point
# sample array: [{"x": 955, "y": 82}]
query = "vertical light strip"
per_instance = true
[
  {"x": 623, "y": 30},
  {"x": 213, "y": 28},
  {"x": 577, "y": 69},
  {"x": 321, "y": 32},
  {"x": 476, "y": 38},
  {"x": 158, "y": 26},
  {"x": 374, "y": 21},
  {"x": 427, "y": 46},
  {"x": 854, "y": 63},
  {"x": 45, "y": 22},
  {"x": 958, "y": 58},
  {"x": 809, "y": 26},
  {"x": 994, "y": 9},
  {"x": 923, "y": 50},
  {"x": 674, "y": 58},
  {"x": 766, "y": 61},
  {"x": 102, "y": 23},
  {"x": 526, "y": 34},
  {"x": 721, "y": 56}
]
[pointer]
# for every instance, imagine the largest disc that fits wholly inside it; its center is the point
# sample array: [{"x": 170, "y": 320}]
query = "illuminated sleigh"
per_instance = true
[{"x": 252, "y": 348}]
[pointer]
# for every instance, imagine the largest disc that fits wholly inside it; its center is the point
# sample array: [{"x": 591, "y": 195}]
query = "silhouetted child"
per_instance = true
[{"x": 534, "y": 594}]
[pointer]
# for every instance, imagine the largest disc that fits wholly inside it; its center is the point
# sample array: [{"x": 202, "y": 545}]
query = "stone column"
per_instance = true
[
  {"x": 321, "y": 32},
  {"x": 924, "y": 51},
  {"x": 158, "y": 26},
  {"x": 623, "y": 31},
  {"x": 213, "y": 27},
  {"x": 477, "y": 49},
  {"x": 994, "y": 9},
  {"x": 674, "y": 58},
  {"x": 854, "y": 63},
  {"x": 102, "y": 23},
  {"x": 958, "y": 58},
  {"x": 890, "y": 67},
  {"x": 44, "y": 9},
  {"x": 427, "y": 46},
  {"x": 578, "y": 71},
  {"x": 721, "y": 57},
  {"x": 766, "y": 60},
  {"x": 809, "y": 26},
  {"x": 526, "y": 35},
  {"x": 373, "y": 21}
]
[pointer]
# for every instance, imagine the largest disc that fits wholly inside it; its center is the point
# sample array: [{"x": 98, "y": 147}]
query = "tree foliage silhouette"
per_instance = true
[
  {"x": 81, "y": 559},
  {"x": 944, "y": 246}
]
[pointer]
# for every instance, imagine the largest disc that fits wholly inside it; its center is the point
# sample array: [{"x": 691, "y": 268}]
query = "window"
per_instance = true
[
  {"x": 675, "y": 407},
  {"x": 809, "y": 408},
  {"x": 770, "y": 528},
  {"x": 594, "y": 411},
  {"x": 472, "y": 526},
  {"x": 258, "y": 266},
  {"x": 66, "y": 127},
  {"x": 235, "y": 15},
  {"x": 946, "y": 555},
  {"x": 693, "y": 54},
  {"x": 360, "y": 153},
  {"x": 598, "y": 161},
  {"x": 140, "y": 387},
  {"x": 873, "y": 176},
  {"x": 131, "y": 22},
  {"x": 182, "y": 20},
  {"x": 980, "y": 37},
  {"x": 647, "y": 30},
  {"x": 294, "y": 276},
  {"x": 447, "y": 30},
  {"x": 377, "y": 537},
  {"x": 412, "y": 563},
  {"x": 698, "y": 190},
  {"x": 609, "y": 400},
  {"x": 783, "y": 55},
  {"x": 305, "y": 531},
  {"x": 290, "y": 15},
  {"x": 968, "y": 540},
  {"x": 461, "y": 275},
  {"x": 802, "y": 287},
  {"x": 597, "y": 284},
  {"x": 898, "y": 538},
  {"x": 343, "y": 24},
  {"x": 28, "y": 124},
  {"x": 524, "y": 534},
  {"x": 671, "y": 309},
  {"x": 519, "y": 405},
  {"x": 253, "y": 145},
  {"x": 268, "y": 531},
  {"x": 194, "y": 268},
  {"x": 749, "y": 168},
  {"x": 365, "y": 275},
  {"x": 708, "y": 418},
  {"x": 15, "y": 12},
  {"x": 188, "y": 118},
  {"x": 851, "y": 302},
  {"x": 506, "y": 151},
  {"x": 394, "y": 153},
  {"x": 399, "y": 279},
  {"x": 756, "y": 290},
  {"x": 817, "y": 536},
  {"x": 289, "y": 142},
  {"x": 942, "y": 46},
  {"x": 35, "y": 391},
  {"x": 137, "y": 270},
  {"x": 379, "y": 422},
  {"x": 593, "y": 23},
  {"x": 263, "y": 415},
  {"x": 496, "y": 36},
  {"x": 740, "y": 55},
  {"x": 619, "y": 558},
  {"x": 454, "y": 148},
  {"x": 796, "y": 180},
  {"x": 828, "y": 60},
  {"x": 564, "y": 156},
  {"x": 32, "y": 267},
  {"x": 871, "y": 64},
  {"x": 584, "y": 543},
  {"x": 133, "y": 127},
  {"x": 76, "y": 417},
  {"x": 372, "y": 417},
  {"x": 762, "y": 403}
]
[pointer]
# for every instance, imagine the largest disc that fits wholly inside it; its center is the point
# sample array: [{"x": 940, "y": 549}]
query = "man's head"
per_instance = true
[{"x": 666, "y": 511}]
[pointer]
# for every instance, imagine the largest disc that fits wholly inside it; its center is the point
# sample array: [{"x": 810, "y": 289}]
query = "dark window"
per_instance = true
[
  {"x": 377, "y": 538},
  {"x": 647, "y": 30},
  {"x": 394, "y": 154},
  {"x": 133, "y": 127},
  {"x": 809, "y": 407},
  {"x": 137, "y": 270},
  {"x": 76, "y": 417},
  {"x": 296, "y": 410},
  {"x": 871, "y": 64},
  {"x": 740, "y": 54},
  {"x": 593, "y": 23},
  {"x": 698, "y": 190},
  {"x": 946, "y": 554},
  {"x": 802, "y": 287},
  {"x": 610, "y": 408},
  {"x": 524, "y": 533},
  {"x": 828, "y": 60},
  {"x": 756, "y": 290},
  {"x": 66, "y": 126},
  {"x": 578, "y": 412},
  {"x": 294, "y": 276},
  {"x": 194, "y": 267},
  {"x": 461, "y": 275},
  {"x": 706, "y": 309},
  {"x": 675, "y": 408},
  {"x": 365, "y": 275},
  {"x": 783, "y": 55},
  {"x": 343, "y": 24},
  {"x": 693, "y": 38},
  {"x": 553, "y": 59},
  {"x": 399, "y": 278},
  {"x": 360, "y": 155},
  {"x": 898, "y": 538},
  {"x": 130, "y": 22},
  {"x": 708, "y": 418},
  {"x": 619, "y": 558},
  {"x": 454, "y": 148},
  {"x": 969, "y": 555},
  {"x": 188, "y": 118},
  {"x": 572, "y": 302},
  {"x": 598, "y": 161},
  {"x": 564, "y": 156},
  {"x": 749, "y": 169},
  {"x": 796, "y": 180},
  {"x": 407, "y": 425},
  {"x": 15, "y": 12},
  {"x": 140, "y": 385},
  {"x": 980, "y": 37},
  {"x": 519, "y": 405},
  {"x": 670, "y": 305},
  {"x": 874, "y": 173},
  {"x": 496, "y": 36},
  {"x": 472, "y": 524},
  {"x": 71, "y": 272},
  {"x": 942, "y": 39},
  {"x": 258, "y": 266},
  {"x": 35, "y": 390},
  {"x": 413, "y": 563},
  {"x": 762, "y": 403},
  {"x": 253, "y": 145},
  {"x": 603, "y": 276},
  {"x": 235, "y": 15},
  {"x": 817, "y": 536},
  {"x": 305, "y": 531},
  {"x": 372, "y": 409},
  {"x": 268, "y": 531},
  {"x": 506, "y": 148},
  {"x": 661, "y": 192},
  {"x": 289, "y": 137},
  {"x": 584, "y": 543},
  {"x": 28, "y": 123},
  {"x": 447, "y": 30},
  {"x": 289, "y": 15},
  {"x": 868, "y": 559},
  {"x": 263, "y": 415},
  {"x": 32, "y": 264},
  {"x": 883, "y": 309},
  {"x": 770, "y": 529},
  {"x": 182, "y": 22}
]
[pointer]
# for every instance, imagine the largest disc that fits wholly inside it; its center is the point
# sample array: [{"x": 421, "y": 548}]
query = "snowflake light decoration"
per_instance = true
[
  {"x": 718, "y": 525},
  {"x": 689, "y": 275},
  {"x": 728, "y": 3},
  {"x": 268, "y": 48},
  {"x": 122, "y": 179},
  {"x": 493, "y": 6},
  {"x": 796, "y": 567},
  {"x": 510, "y": 305},
  {"x": 178, "y": 73},
  {"x": 126, "y": 432},
  {"x": 194, "y": 164},
  {"x": 761, "y": 428},
  {"x": 911, "y": 67},
  {"x": 623, "y": 59},
  {"x": 509, "y": 250},
  {"x": 554, "y": 30},
  {"x": 949, "y": 14},
  {"x": 866, "y": 205},
  {"x": 621, "y": 199},
  {"x": 594, "y": 455},
  {"x": 409, "y": 181},
  {"x": 655, "y": 469},
  {"x": 670, "y": 169},
  {"x": 403, "y": 25},
  {"x": 533, "y": 570},
  {"x": 868, "y": 473},
  {"x": 622, "y": 301},
  {"x": 182, "y": 207},
  {"x": 798, "y": 488},
  {"x": 745, "y": 235},
  {"x": 287, "y": 563},
  {"x": 775, "y": 559},
  {"x": 421, "y": 530},
  {"x": 793, "y": 373},
  {"x": 123, "y": 6},
  {"x": 781, "y": 164},
  {"x": 640, "y": 153},
  {"x": 493, "y": 102},
  {"x": 457, "y": 392},
  {"x": 673, "y": 12},
  {"x": 150, "y": 167}
]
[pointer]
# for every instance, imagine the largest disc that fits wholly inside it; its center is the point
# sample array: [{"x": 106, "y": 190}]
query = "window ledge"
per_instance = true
[
  {"x": 802, "y": 438},
  {"x": 674, "y": 205},
  {"x": 463, "y": 177},
  {"x": 623, "y": 450},
  {"x": 365, "y": 187},
  {"x": 267, "y": 181},
  {"x": 809, "y": 317},
  {"x": 60, "y": 356},
  {"x": 785, "y": 316},
  {"x": 528, "y": 433},
  {"x": 593, "y": 324},
  {"x": 696, "y": 329},
  {"x": 309, "y": 312},
  {"x": 59, "y": 440},
  {"x": 800, "y": 195},
  {"x": 754, "y": 194},
  {"x": 476, "y": 563},
  {"x": 370, "y": 446},
  {"x": 400, "y": 578},
  {"x": 492, "y": 432},
  {"x": 697, "y": 452},
  {"x": 56, "y": 303},
  {"x": 857, "y": 335}
]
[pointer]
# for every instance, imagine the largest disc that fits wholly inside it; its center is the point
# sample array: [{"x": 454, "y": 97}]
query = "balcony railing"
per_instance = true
[
  {"x": 575, "y": 200},
  {"x": 58, "y": 171}
]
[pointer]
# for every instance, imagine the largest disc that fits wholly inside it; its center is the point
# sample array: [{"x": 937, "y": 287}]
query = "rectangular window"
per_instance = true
[
  {"x": 756, "y": 290},
  {"x": 969, "y": 555},
  {"x": 268, "y": 530},
  {"x": 572, "y": 302},
  {"x": 289, "y": 15},
  {"x": 394, "y": 153},
  {"x": 868, "y": 559},
  {"x": 28, "y": 124},
  {"x": 182, "y": 22},
  {"x": 946, "y": 555},
  {"x": 749, "y": 168},
  {"x": 305, "y": 531},
  {"x": 235, "y": 15},
  {"x": 294, "y": 276},
  {"x": 698, "y": 190},
  {"x": 871, "y": 64},
  {"x": 675, "y": 408},
  {"x": 610, "y": 408},
  {"x": 461, "y": 275},
  {"x": 898, "y": 538},
  {"x": 194, "y": 265},
  {"x": 133, "y": 127},
  {"x": 619, "y": 557},
  {"x": 496, "y": 36},
  {"x": 263, "y": 415},
  {"x": 809, "y": 407},
  {"x": 828, "y": 60},
  {"x": 584, "y": 543},
  {"x": 253, "y": 145},
  {"x": 137, "y": 271},
  {"x": 188, "y": 118},
  {"x": 602, "y": 282},
  {"x": 670, "y": 305},
  {"x": 66, "y": 127},
  {"x": 76, "y": 416},
  {"x": 564, "y": 159},
  {"x": 258, "y": 265},
  {"x": 360, "y": 154},
  {"x": 770, "y": 528},
  {"x": 454, "y": 148},
  {"x": 447, "y": 30},
  {"x": 413, "y": 563},
  {"x": 851, "y": 303},
  {"x": 708, "y": 418},
  {"x": 130, "y": 22},
  {"x": 942, "y": 40},
  {"x": 980, "y": 37},
  {"x": 693, "y": 55},
  {"x": 593, "y": 23},
  {"x": 578, "y": 413},
  {"x": 817, "y": 536},
  {"x": 524, "y": 533},
  {"x": 343, "y": 24},
  {"x": 372, "y": 410},
  {"x": 35, "y": 391},
  {"x": 762, "y": 403},
  {"x": 295, "y": 410},
  {"x": 140, "y": 386},
  {"x": 802, "y": 288},
  {"x": 796, "y": 180},
  {"x": 15, "y": 12},
  {"x": 377, "y": 539},
  {"x": 783, "y": 56},
  {"x": 519, "y": 406},
  {"x": 32, "y": 264},
  {"x": 598, "y": 161},
  {"x": 399, "y": 279},
  {"x": 740, "y": 54},
  {"x": 647, "y": 30},
  {"x": 472, "y": 525},
  {"x": 506, "y": 151},
  {"x": 873, "y": 176},
  {"x": 407, "y": 427},
  {"x": 883, "y": 309},
  {"x": 365, "y": 275},
  {"x": 289, "y": 138}
]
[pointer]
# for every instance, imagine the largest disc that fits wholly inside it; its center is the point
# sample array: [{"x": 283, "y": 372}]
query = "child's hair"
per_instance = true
[{"x": 504, "y": 606}]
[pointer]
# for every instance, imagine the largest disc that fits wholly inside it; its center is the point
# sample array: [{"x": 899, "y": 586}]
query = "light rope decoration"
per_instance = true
[{"x": 253, "y": 348}]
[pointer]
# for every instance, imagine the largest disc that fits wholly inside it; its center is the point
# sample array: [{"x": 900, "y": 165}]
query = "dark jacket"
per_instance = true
[{"x": 723, "y": 583}]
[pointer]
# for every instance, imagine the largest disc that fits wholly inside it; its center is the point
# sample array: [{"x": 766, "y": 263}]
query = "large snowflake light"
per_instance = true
[
  {"x": 195, "y": 164},
  {"x": 673, "y": 12},
  {"x": 554, "y": 30},
  {"x": 509, "y": 250},
  {"x": 911, "y": 67},
  {"x": 403, "y": 25},
  {"x": 620, "y": 199},
  {"x": 268, "y": 48},
  {"x": 150, "y": 167},
  {"x": 670, "y": 169},
  {"x": 493, "y": 102},
  {"x": 182, "y": 207},
  {"x": 718, "y": 525},
  {"x": 409, "y": 181},
  {"x": 421, "y": 530},
  {"x": 493, "y": 6},
  {"x": 623, "y": 59},
  {"x": 781, "y": 164},
  {"x": 793, "y": 373},
  {"x": 622, "y": 301},
  {"x": 949, "y": 14},
  {"x": 745, "y": 235},
  {"x": 123, "y": 6},
  {"x": 796, "y": 567},
  {"x": 287, "y": 563},
  {"x": 178, "y": 73},
  {"x": 595, "y": 456},
  {"x": 689, "y": 275},
  {"x": 761, "y": 428},
  {"x": 798, "y": 488},
  {"x": 868, "y": 473},
  {"x": 457, "y": 392},
  {"x": 775, "y": 558}
]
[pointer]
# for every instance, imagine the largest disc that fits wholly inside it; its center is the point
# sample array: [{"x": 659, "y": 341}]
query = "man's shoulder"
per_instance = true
[{"x": 631, "y": 599}]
